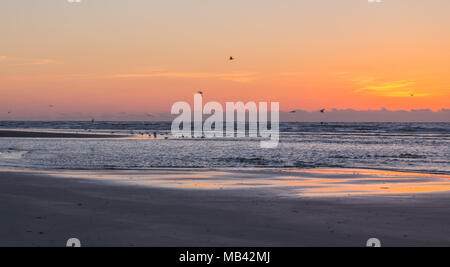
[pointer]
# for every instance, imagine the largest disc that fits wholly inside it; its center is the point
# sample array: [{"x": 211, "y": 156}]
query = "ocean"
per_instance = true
[{"x": 416, "y": 147}]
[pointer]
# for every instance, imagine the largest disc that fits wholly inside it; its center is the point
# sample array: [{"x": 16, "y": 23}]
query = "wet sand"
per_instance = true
[
  {"x": 42, "y": 210},
  {"x": 33, "y": 134}
]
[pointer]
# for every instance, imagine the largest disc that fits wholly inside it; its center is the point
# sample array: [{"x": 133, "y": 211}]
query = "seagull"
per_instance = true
[
  {"x": 322, "y": 110},
  {"x": 200, "y": 92},
  {"x": 231, "y": 58}
]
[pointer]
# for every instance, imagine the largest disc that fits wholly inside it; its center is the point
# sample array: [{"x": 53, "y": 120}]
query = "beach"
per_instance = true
[
  {"x": 319, "y": 188},
  {"x": 224, "y": 124},
  {"x": 46, "y": 210}
]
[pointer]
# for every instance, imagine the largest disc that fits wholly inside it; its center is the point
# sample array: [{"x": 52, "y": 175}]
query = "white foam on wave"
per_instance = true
[{"x": 12, "y": 154}]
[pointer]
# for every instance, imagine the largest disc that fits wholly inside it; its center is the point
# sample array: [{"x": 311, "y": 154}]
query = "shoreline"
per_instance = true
[
  {"x": 38, "y": 134},
  {"x": 43, "y": 210}
]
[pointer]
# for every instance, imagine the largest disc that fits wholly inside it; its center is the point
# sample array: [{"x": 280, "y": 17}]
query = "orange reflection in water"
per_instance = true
[
  {"x": 374, "y": 189},
  {"x": 304, "y": 183}
]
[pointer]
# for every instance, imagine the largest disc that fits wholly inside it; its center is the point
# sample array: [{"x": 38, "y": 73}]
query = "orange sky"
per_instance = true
[{"x": 109, "y": 56}]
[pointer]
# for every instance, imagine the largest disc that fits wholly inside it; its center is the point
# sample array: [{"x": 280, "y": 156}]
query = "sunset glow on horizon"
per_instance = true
[{"x": 138, "y": 56}]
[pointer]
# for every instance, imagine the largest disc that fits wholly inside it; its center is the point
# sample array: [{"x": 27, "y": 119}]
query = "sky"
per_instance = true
[{"x": 139, "y": 56}]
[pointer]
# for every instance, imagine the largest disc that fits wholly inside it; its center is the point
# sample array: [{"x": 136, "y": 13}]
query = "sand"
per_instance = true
[{"x": 42, "y": 210}]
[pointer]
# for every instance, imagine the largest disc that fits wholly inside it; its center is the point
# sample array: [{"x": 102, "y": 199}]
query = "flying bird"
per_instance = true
[
  {"x": 231, "y": 58},
  {"x": 200, "y": 92},
  {"x": 294, "y": 111},
  {"x": 322, "y": 110}
]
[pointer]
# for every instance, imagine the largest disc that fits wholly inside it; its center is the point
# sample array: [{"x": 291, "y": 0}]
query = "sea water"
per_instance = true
[{"x": 419, "y": 147}]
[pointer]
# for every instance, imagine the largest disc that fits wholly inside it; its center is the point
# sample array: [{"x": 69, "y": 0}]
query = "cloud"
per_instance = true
[
  {"x": 364, "y": 80},
  {"x": 242, "y": 77},
  {"x": 332, "y": 115},
  {"x": 400, "y": 88},
  {"x": 41, "y": 62},
  {"x": 382, "y": 115},
  {"x": 388, "y": 86},
  {"x": 25, "y": 62}
]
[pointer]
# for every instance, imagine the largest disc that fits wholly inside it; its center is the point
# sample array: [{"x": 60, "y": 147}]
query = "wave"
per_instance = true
[{"x": 12, "y": 154}]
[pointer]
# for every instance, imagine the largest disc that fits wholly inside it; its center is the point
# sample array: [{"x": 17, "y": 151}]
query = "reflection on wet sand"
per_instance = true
[{"x": 295, "y": 183}]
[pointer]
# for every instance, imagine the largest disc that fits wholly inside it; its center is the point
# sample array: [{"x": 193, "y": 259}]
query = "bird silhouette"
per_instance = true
[
  {"x": 294, "y": 111},
  {"x": 200, "y": 92},
  {"x": 231, "y": 58},
  {"x": 322, "y": 110}
]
